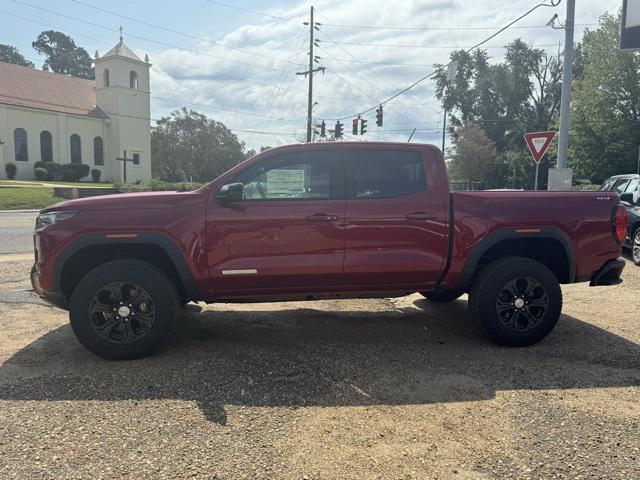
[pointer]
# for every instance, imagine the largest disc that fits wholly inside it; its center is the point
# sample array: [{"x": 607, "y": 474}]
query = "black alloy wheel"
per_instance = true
[
  {"x": 522, "y": 304},
  {"x": 122, "y": 312}
]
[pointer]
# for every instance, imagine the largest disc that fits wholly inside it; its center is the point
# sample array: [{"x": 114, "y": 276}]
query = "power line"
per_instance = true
[
  {"x": 153, "y": 119},
  {"x": 252, "y": 65},
  {"x": 177, "y": 32},
  {"x": 553, "y": 3},
  {"x": 365, "y": 80},
  {"x": 255, "y": 12},
  {"x": 376, "y": 27},
  {"x": 447, "y": 47},
  {"x": 365, "y": 50},
  {"x": 106, "y": 42},
  {"x": 219, "y": 109}
]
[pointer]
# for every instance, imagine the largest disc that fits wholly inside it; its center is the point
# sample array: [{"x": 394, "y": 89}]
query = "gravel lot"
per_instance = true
[{"x": 388, "y": 389}]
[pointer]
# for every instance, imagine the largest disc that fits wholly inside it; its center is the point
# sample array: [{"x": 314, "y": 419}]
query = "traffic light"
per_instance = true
[
  {"x": 338, "y": 129},
  {"x": 363, "y": 126},
  {"x": 322, "y": 129},
  {"x": 354, "y": 124},
  {"x": 379, "y": 116}
]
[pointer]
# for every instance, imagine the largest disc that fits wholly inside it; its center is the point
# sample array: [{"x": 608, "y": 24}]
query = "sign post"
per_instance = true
[{"x": 538, "y": 143}]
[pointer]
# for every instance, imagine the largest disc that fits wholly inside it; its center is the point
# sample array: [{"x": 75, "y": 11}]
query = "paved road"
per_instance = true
[{"x": 15, "y": 232}]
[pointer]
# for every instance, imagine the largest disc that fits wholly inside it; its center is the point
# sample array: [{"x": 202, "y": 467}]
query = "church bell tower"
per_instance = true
[{"x": 123, "y": 94}]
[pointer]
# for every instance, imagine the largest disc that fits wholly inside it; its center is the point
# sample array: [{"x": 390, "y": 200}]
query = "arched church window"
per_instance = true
[
  {"x": 76, "y": 149},
  {"x": 46, "y": 146},
  {"x": 20, "y": 144},
  {"x": 106, "y": 77},
  {"x": 98, "y": 151},
  {"x": 133, "y": 80}
]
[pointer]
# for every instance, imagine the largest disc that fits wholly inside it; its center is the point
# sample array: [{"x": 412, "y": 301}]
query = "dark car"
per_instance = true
[{"x": 627, "y": 186}]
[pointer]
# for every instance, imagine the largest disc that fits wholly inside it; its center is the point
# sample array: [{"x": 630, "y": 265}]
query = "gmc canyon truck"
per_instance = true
[{"x": 317, "y": 221}]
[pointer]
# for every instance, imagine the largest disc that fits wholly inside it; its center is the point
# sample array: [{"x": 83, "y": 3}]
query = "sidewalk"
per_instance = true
[{"x": 19, "y": 211}]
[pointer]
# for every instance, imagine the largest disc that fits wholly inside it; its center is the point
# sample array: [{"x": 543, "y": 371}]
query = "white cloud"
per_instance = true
[{"x": 263, "y": 81}]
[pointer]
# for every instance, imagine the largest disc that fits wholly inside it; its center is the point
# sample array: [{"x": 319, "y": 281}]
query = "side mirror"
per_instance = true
[
  {"x": 627, "y": 198},
  {"x": 229, "y": 193}
]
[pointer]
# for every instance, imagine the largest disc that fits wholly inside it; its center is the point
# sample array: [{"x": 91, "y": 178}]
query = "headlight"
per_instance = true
[{"x": 50, "y": 218}]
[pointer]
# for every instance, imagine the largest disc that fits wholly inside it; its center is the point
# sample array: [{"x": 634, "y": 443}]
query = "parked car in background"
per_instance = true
[{"x": 628, "y": 187}]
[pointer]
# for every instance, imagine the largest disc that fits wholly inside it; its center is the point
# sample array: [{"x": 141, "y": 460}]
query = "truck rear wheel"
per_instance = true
[
  {"x": 517, "y": 301},
  {"x": 443, "y": 296},
  {"x": 124, "y": 309}
]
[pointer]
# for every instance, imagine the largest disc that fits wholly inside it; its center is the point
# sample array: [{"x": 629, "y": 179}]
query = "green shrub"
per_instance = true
[
  {"x": 68, "y": 175},
  {"x": 95, "y": 175},
  {"x": 72, "y": 172},
  {"x": 53, "y": 169},
  {"x": 11, "y": 169},
  {"x": 41, "y": 173},
  {"x": 586, "y": 187}
]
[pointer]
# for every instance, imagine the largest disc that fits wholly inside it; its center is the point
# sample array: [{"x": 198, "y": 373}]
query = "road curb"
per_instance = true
[{"x": 19, "y": 211}]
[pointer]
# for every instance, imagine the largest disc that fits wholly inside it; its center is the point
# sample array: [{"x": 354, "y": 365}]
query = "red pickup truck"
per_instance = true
[{"x": 325, "y": 220}]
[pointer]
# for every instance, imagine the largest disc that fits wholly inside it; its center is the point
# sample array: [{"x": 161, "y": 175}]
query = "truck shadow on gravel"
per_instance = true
[{"x": 307, "y": 357}]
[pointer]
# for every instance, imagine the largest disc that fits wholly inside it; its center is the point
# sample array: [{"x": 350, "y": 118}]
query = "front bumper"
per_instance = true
[
  {"x": 609, "y": 273},
  {"x": 54, "y": 297}
]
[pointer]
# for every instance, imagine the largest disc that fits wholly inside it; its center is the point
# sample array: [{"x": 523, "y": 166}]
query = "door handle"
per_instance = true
[
  {"x": 321, "y": 217},
  {"x": 420, "y": 216}
]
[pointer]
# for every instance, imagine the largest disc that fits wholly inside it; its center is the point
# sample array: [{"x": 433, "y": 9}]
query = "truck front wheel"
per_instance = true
[
  {"x": 516, "y": 300},
  {"x": 124, "y": 309}
]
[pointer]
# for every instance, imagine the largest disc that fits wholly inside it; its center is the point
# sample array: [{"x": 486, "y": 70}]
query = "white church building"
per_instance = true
[{"x": 51, "y": 117}]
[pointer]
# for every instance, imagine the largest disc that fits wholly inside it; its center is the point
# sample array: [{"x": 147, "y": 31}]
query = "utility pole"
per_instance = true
[
  {"x": 452, "y": 71},
  {"x": 310, "y": 101},
  {"x": 560, "y": 177},
  {"x": 310, "y": 72}
]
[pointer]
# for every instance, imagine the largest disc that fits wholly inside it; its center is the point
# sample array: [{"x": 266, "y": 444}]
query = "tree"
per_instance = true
[
  {"x": 605, "y": 121},
  {"x": 187, "y": 142},
  {"x": 506, "y": 99},
  {"x": 253, "y": 153},
  {"x": 474, "y": 157},
  {"x": 11, "y": 54},
  {"x": 62, "y": 54}
]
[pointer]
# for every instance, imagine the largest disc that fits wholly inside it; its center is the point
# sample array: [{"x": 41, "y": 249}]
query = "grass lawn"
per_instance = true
[
  {"x": 38, "y": 183},
  {"x": 25, "y": 198}
]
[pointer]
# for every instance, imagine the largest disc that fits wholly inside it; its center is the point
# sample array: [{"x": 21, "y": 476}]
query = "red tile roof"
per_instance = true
[{"x": 31, "y": 88}]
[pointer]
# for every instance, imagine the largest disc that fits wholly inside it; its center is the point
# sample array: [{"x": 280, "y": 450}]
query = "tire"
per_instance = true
[
  {"x": 511, "y": 320},
  {"x": 444, "y": 296},
  {"x": 105, "y": 302},
  {"x": 635, "y": 246}
]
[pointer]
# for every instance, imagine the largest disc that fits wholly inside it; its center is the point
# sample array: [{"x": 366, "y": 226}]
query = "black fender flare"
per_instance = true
[
  {"x": 153, "y": 238},
  {"x": 513, "y": 233}
]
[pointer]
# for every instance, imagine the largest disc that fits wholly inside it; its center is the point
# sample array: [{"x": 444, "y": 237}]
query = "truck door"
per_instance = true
[
  {"x": 286, "y": 232},
  {"x": 396, "y": 225}
]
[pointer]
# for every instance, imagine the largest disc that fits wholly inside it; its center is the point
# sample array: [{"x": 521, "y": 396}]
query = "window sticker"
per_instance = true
[{"x": 285, "y": 183}]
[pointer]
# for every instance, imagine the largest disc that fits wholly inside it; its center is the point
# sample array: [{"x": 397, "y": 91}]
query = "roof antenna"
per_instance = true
[{"x": 120, "y": 33}]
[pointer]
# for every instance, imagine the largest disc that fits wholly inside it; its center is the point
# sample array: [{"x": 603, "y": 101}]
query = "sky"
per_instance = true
[{"x": 236, "y": 61}]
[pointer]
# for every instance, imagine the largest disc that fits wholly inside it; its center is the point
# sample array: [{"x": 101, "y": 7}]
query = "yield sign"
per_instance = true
[{"x": 538, "y": 143}]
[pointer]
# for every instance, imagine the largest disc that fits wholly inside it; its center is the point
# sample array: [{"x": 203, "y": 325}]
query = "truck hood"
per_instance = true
[{"x": 140, "y": 200}]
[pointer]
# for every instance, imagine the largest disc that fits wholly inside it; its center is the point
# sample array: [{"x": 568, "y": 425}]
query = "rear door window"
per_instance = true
[{"x": 385, "y": 173}]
